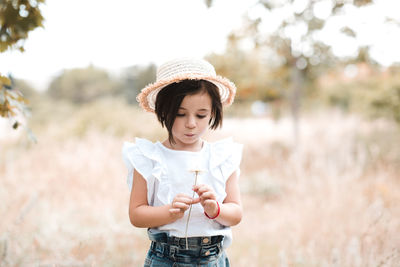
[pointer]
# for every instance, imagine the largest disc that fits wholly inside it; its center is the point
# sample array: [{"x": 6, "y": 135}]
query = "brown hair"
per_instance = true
[{"x": 169, "y": 100}]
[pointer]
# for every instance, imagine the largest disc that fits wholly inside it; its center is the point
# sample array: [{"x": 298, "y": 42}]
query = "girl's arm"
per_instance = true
[
  {"x": 230, "y": 210},
  {"x": 143, "y": 215}
]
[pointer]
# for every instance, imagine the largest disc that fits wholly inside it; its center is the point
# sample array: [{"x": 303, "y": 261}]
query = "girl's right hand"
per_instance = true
[{"x": 179, "y": 205}]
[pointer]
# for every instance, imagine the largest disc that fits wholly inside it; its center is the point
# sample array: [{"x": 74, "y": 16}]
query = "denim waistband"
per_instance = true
[
  {"x": 181, "y": 241},
  {"x": 174, "y": 248}
]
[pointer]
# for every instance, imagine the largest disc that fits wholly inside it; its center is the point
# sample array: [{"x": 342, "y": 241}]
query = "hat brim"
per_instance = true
[{"x": 148, "y": 95}]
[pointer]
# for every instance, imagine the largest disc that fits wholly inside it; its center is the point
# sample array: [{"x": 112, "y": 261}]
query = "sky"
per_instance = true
[{"x": 121, "y": 33}]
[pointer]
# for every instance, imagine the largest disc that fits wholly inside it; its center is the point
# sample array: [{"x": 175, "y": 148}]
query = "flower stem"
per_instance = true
[{"x": 190, "y": 209}]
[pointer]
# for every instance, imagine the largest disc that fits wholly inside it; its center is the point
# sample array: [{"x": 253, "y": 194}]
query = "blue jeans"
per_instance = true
[{"x": 171, "y": 251}]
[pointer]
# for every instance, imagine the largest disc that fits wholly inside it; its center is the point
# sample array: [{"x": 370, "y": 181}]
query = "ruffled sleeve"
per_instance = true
[
  {"x": 144, "y": 157},
  {"x": 225, "y": 158}
]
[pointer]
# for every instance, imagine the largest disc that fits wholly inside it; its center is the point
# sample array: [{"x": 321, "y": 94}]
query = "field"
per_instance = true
[{"x": 329, "y": 200}]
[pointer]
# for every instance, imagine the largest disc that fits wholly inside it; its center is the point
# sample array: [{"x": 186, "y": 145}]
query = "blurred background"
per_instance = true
[{"x": 317, "y": 109}]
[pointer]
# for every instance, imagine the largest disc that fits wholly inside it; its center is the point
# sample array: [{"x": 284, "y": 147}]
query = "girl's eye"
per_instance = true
[
  {"x": 201, "y": 116},
  {"x": 180, "y": 115}
]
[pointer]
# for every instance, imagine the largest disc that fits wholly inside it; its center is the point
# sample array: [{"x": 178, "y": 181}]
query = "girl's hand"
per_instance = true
[
  {"x": 207, "y": 198},
  {"x": 179, "y": 205}
]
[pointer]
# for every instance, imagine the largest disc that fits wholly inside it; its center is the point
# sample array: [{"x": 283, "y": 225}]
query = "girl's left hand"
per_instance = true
[{"x": 207, "y": 198}]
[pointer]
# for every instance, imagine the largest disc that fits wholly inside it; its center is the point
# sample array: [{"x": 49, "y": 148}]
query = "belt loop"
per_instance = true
[
  {"x": 172, "y": 250},
  {"x": 158, "y": 247}
]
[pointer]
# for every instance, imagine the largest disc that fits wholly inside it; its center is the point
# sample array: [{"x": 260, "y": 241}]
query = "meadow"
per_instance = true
[{"x": 329, "y": 200}]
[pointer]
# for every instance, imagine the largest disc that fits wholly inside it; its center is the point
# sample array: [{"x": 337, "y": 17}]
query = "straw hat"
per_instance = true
[{"x": 185, "y": 69}]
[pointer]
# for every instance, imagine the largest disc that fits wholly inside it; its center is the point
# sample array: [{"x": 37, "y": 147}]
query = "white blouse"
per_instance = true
[{"x": 170, "y": 172}]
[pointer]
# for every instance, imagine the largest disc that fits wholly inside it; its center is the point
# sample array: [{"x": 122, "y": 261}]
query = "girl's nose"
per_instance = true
[{"x": 190, "y": 122}]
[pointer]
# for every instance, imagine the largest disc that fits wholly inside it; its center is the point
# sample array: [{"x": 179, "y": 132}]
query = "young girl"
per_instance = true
[{"x": 185, "y": 189}]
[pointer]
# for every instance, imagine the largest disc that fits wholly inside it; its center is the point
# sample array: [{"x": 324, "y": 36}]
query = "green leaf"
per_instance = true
[
  {"x": 13, "y": 94},
  {"x": 4, "y": 81},
  {"x": 15, "y": 125}
]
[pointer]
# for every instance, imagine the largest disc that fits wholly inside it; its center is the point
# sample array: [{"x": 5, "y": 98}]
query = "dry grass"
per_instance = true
[{"x": 330, "y": 201}]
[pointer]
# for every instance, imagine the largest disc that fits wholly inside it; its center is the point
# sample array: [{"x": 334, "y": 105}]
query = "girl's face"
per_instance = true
[{"x": 191, "y": 121}]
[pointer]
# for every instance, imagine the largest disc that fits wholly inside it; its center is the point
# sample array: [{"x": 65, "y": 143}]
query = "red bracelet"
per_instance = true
[{"x": 212, "y": 218}]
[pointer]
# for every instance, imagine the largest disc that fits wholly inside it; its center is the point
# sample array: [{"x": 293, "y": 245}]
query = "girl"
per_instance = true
[{"x": 185, "y": 189}]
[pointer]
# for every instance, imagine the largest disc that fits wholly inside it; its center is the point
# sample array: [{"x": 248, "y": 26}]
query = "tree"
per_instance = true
[
  {"x": 251, "y": 75},
  {"x": 136, "y": 78},
  {"x": 17, "y": 19},
  {"x": 82, "y": 85},
  {"x": 12, "y": 103},
  {"x": 301, "y": 56}
]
